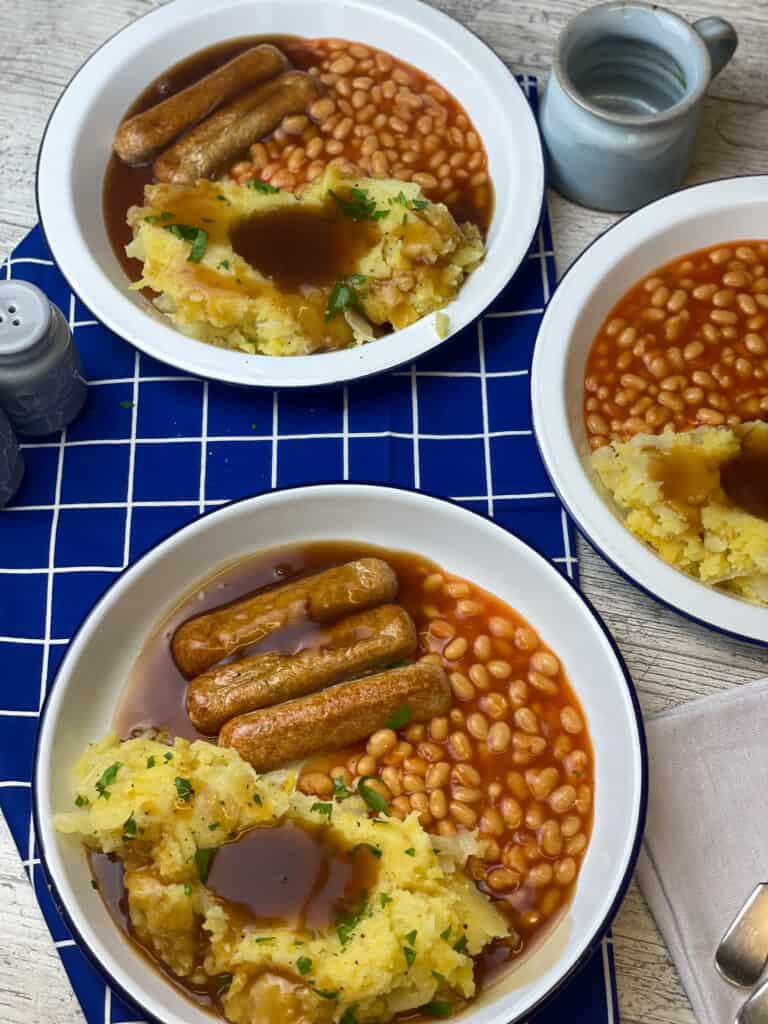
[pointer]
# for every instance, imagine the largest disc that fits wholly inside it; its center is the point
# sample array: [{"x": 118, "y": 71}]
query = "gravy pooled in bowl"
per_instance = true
[
  {"x": 420, "y": 708},
  {"x": 272, "y": 114}
]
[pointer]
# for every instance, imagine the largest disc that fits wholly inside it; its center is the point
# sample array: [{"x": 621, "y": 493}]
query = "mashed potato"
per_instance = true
[
  {"x": 415, "y": 263},
  {"x": 156, "y": 807},
  {"x": 668, "y": 489}
]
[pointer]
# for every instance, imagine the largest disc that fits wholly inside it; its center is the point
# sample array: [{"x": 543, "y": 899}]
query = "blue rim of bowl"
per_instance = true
[
  {"x": 602, "y": 928},
  {"x": 347, "y": 380},
  {"x": 579, "y": 524}
]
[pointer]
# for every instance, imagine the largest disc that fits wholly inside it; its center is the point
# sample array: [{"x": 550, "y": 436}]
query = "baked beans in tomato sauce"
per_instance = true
[
  {"x": 686, "y": 346},
  {"x": 377, "y": 114}
]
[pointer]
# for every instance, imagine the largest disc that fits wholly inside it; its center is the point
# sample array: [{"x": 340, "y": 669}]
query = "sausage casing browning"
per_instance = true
[
  {"x": 356, "y": 586},
  {"x": 225, "y": 134},
  {"x": 337, "y": 716},
  {"x": 360, "y": 643},
  {"x": 144, "y": 134}
]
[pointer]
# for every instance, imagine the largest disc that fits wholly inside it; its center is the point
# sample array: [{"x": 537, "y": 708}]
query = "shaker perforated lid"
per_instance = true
[{"x": 25, "y": 316}]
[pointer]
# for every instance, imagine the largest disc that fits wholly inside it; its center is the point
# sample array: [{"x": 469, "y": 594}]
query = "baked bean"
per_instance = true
[
  {"x": 317, "y": 783},
  {"x": 480, "y": 677},
  {"x": 390, "y": 776},
  {"x": 564, "y": 871},
  {"x": 491, "y": 822},
  {"x": 570, "y": 720},
  {"x": 431, "y": 752},
  {"x": 561, "y": 747},
  {"x": 481, "y": 647},
  {"x": 366, "y": 765},
  {"x": 381, "y": 742},
  {"x": 511, "y": 811},
  {"x": 551, "y": 838},
  {"x": 443, "y": 629},
  {"x": 438, "y": 804},
  {"x": 545, "y": 662},
  {"x": 562, "y": 799},
  {"x": 499, "y": 668},
  {"x": 467, "y": 794},
  {"x": 527, "y": 721},
  {"x": 400, "y": 807},
  {"x": 416, "y": 765},
  {"x": 499, "y": 737},
  {"x": 583, "y": 799},
  {"x": 542, "y": 683},
  {"x": 576, "y": 844},
  {"x": 460, "y": 746},
  {"x": 535, "y": 813},
  {"x": 494, "y": 705},
  {"x": 540, "y": 874},
  {"x": 541, "y": 783},
  {"x": 413, "y": 783},
  {"x": 438, "y": 728},
  {"x": 462, "y": 814},
  {"x": 513, "y": 858},
  {"x": 576, "y": 764},
  {"x": 462, "y": 688},
  {"x": 456, "y": 649},
  {"x": 502, "y": 879},
  {"x": 437, "y": 775},
  {"x": 467, "y": 608},
  {"x": 517, "y": 692},
  {"x": 414, "y": 733},
  {"x": 477, "y": 725},
  {"x": 517, "y": 785}
]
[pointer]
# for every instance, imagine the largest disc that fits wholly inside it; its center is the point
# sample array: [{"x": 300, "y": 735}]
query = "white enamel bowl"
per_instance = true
[
  {"x": 97, "y": 662},
  {"x": 704, "y": 215},
  {"x": 77, "y": 141}
]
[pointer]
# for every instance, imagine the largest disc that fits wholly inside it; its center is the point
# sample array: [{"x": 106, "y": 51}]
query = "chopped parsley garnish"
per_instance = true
[
  {"x": 348, "y": 921},
  {"x": 419, "y": 204},
  {"x": 373, "y": 850},
  {"x": 374, "y": 800},
  {"x": 446, "y": 934},
  {"x": 399, "y": 717},
  {"x": 198, "y": 237},
  {"x": 400, "y": 199},
  {"x": 348, "y": 1017},
  {"x": 359, "y": 206},
  {"x": 222, "y": 199},
  {"x": 440, "y": 977},
  {"x": 437, "y": 1008},
  {"x": 410, "y": 852},
  {"x": 340, "y": 790},
  {"x": 404, "y": 221},
  {"x": 127, "y": 404},
  {"x": 324, "y": 809},
  {"x": 345, "y": 294},
  {"x": 107, "y": 779},
  {"x": 414, "y": 204},
  {"x": 203, "y": 861},
  {"x": 323, "y": 993},
  {"x": 384, "y": 899},
  {"x": 187, "y": 889},
  {"x": 129, "y": 828},
  {"x": 223, "y": 265},
  {"x": 213, "y": 826},
  {"x": 222, "y": 984},
  {"x": 168, "y": 756},
  {"x": 261, "y": 186},
  {"x": 81, "y": 801},
  {"x": 151, "y": 761},
  {"x": 257, "y": 799},
  {"x": 304, "y": 964},
  {"x": 461, "y": 944},
  {"x": 154, "y": 219},
  {"x": 409, "y": 954},
  {"x": 410, "y": 938},
  {"x": 265, "y": 938},
  {"x": 184, "y": 789}
]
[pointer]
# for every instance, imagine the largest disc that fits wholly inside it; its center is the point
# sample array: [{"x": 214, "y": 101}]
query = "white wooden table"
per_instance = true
[{"x": 41, "y": 45}]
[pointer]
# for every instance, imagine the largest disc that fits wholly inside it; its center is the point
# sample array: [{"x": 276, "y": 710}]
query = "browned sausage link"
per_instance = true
[
  {"x": 145, "y": 134},
  {"x": 200, "y": 642},
  {"x": 360, "y": 643},
  {"x": 335, "y": 717},
  {"x": 225, "y": 134}
]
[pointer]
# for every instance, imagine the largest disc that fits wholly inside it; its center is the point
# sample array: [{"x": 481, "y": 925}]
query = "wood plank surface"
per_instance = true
[{"x": 42, "y": 44}]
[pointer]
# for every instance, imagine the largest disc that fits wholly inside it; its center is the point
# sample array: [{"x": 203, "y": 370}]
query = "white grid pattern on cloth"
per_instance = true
[{"x": 489, "y": 498}]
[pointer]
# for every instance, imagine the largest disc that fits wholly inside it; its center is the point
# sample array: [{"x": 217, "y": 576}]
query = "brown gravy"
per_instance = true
[
  {"x": 296, "y": 247},
  {"x": 744, "y": 478}
]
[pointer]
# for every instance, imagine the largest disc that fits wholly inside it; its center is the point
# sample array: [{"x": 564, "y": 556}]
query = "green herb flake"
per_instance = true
[
  {"x": 384, "y": 899},
  {"x": 223, "y": 983},
  {"x": 400, "y": 717},
  {"x": 345, "y": 294},
  {"x": 187, "y": 889},
  {"x": 410, "y": 938},
  {"x": 409, "y": 954},
  {"x": 359, "y": 206},
  {"x": 151, "y": 761},
  {"x": 439, "y": 977},
  {"x": 461, "y": 944},
  {"x": 348, "y": 921},
  {"x": 129, "y": 828},
  {"x": 437, "y": 1008},
  {"x": 348, "y": 1017},
  {"x": 446, "y": 934},
  {"x": 222, "y": 199},
  {"x": 325, "y": 809},
  {"x": 213, "y": 826},
  {"x": 265, "y": 938},
  {"x": 404, "y": 221},
  {"x": 400, "y": 199},
  {"x": 323, "y": 993},
  {"x": 304, "y": 965},
  {"x": 223, "y": 265},
  {"x": 373, "y": 850},
  {"x": 168, "y": 756},
  {"x": 257, "y": 799},
  {"x": 107, "y": 779},
  {"x": 203, "y": 861},
  {"x": 340, "y": 790},
  {"x": 410, "y": 852},
  {"x": 261, "y": 186},
  {"x": 184, "y": 789},
  {"x": 198, "y": 237},
  {"x": 419, "y": 204},
  {"x": 374, "y": 800},
  {"x": 81, "y": 801}
]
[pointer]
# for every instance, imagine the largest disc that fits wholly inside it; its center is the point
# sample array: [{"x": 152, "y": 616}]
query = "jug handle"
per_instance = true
[{"x": 720, "y": 39}]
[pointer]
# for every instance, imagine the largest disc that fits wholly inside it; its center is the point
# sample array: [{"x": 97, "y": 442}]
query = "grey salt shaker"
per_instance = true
[
  {"x": 11, "y": 462},
  {"x": 41, "y": 382}
]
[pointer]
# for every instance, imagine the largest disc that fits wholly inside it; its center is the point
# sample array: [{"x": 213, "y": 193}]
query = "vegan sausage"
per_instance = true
[
  {"x": 145, "y": 134},
  {"x": 337, "y": 716},
  {"x": 225, "y": 134},
  {"x": 356, "y": 586},
  {"x": 360, "y": 643}
]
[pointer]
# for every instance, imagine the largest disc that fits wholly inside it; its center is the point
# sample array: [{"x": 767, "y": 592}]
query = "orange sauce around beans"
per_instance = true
[
  {"x": 523, "y": 869},
  {"x": 686, "y": 346},
  {"x": 425, "y": 135}
]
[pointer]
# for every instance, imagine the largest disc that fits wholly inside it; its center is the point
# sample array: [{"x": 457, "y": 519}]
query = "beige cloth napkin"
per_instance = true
[{"x": 706, "y": 841}]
